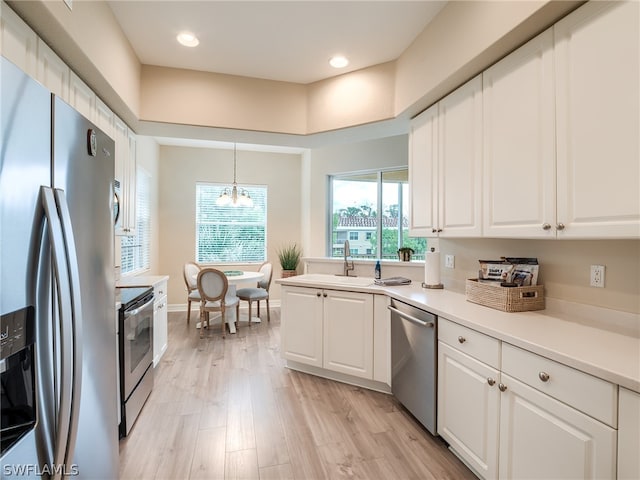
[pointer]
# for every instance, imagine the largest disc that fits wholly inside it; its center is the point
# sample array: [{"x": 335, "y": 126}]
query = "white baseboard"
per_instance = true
[{"x": 182, "y": 307}]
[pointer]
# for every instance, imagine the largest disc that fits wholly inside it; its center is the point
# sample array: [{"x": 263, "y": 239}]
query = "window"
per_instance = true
[
  {"x": 136, "y": 249},
  {"x": 231, "y": 233},
  {"x": 377, "y": 205}
]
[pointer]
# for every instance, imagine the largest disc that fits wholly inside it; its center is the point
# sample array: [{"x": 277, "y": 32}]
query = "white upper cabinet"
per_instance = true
[
  {"x": 423, "y": 174},
  {"x": 18, "y": 42},
  {"x": 597, "y": 64},
  {"x": 519, "y": 143},
  {"x": 460, "y": 161},
  {"x": 445, "y": 162},
  {"x": 104, "y": 118}
]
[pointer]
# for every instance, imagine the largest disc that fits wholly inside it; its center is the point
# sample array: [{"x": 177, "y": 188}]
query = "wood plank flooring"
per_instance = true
[{"x": 230, "y": 409}]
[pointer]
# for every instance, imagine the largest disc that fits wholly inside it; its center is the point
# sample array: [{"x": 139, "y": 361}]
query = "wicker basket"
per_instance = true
[{"x": 507, "y": 299}]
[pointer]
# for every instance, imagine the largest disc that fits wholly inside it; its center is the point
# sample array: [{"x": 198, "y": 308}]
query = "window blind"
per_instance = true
[{"x": 231, "y": 233}]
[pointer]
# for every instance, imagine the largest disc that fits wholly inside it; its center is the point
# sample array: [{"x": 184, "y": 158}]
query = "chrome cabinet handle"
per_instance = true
[
  {"x": 491, "y": 381},
  {"x": 560, "y": 226},
  {"x": 324, "y": 294},
  {"x": 544, "y": 376},
  {"x": 318, "y": 294},
  {"x": 461, "y": 339},
  {"x": 546, "y": 226},
  {"x": 433, "y": 230},
  {"x": 502, "y": 387}
]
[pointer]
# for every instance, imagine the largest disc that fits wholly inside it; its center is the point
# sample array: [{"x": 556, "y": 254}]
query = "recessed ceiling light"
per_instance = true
[
  {"x": 338, "y": 61},
  {"x": 188, "y": 39}
]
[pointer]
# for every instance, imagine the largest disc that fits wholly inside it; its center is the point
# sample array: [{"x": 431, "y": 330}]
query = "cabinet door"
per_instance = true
[
  {"x": 348, "y": 333},
  {"x": 519, "y": 143},
  {"x": 53, "y": 73},
  {"x": 381, "y": 339},
  {"x": 301, "y": 330},
  {"x": 629, "y": 435},
  {"x": 543, "y": 438},
  {"x": 423, "y": 175},
  {"x": 104, "y": 118},
  {"x": 468, "y": 409},
  {"x": 598, "y": 112},
  {"x": 159, "y": 329},
  {"x": 130, "y": 183},
  {"x": 460, "y": 161}
]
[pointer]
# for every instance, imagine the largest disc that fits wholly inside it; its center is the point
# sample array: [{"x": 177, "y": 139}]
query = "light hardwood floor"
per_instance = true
[{"x": 229, "y": 408}]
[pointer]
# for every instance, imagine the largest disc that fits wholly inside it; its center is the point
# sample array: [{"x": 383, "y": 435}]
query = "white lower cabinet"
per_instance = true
[
  {"x": 331, "y": 329},
  {"x": 160, "y": 334},
  {"x": 469, "y": 408},
  {"x": 543, "y": 438},
  {"x": 629, "y": 435},
  {"x": 511, "y": 414}
]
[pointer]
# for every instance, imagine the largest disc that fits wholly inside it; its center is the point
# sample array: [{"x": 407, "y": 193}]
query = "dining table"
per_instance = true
[{"x": 235, "y": 278}]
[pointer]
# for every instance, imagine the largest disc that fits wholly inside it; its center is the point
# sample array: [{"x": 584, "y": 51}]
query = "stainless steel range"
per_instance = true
[{"x": 135, "y": 344}]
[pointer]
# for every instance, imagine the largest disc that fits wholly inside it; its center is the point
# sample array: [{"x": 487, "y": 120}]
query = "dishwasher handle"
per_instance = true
[{"x": 411, "y": 319}]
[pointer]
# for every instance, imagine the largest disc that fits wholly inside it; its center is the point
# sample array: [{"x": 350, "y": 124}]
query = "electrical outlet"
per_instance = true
[
  {"x": 449, "y": 261},
  {"x": 597, "y": 276}
]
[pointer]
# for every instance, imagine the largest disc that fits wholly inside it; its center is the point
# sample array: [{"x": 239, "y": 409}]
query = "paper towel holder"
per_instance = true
[{"x": 435, "y": 286}]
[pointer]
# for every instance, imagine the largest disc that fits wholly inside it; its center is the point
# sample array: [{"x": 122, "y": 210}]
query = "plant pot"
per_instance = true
[{"x": 288, "y": 273}]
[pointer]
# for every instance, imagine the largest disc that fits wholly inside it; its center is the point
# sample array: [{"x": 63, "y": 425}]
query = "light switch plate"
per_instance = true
[{"x": 449, "y": 261}]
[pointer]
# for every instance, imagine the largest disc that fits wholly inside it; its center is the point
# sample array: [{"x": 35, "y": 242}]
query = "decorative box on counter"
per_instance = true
[{"x": 507, "y": 299}]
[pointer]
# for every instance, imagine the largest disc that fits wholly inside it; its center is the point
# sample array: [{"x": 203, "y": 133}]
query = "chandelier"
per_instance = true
[{"x": 234, "y": 196}]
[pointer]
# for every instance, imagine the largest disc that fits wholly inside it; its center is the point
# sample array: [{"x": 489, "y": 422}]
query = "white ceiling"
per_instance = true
[{"x": 284, "y": 40}]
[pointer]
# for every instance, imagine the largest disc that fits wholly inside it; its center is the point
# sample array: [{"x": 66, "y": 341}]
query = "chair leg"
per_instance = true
[
  {"x": 224, "y": 323},
  {"x": 258, "y": 308},
  {"x": 188, "y": 310},
  {"x": 201, "y": 323},
  {"x": 250, "y": 312},
  {"x": 268, "y": 313},
  {"x": 237, "y": 314}
]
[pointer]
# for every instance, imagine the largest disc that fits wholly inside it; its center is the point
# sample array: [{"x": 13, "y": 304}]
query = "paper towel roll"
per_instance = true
[{"x": 432, "y": 269}]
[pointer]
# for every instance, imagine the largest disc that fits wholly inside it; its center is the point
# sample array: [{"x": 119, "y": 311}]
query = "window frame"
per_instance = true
[
  {"x": 379, "y": 206},
  {"x": 263, "y": 224}
]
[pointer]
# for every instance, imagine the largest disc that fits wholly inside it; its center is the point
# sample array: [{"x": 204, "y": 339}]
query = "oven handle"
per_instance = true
[
  {"x": 414, "y": 320},
  {"x": 138, "y": 310}
]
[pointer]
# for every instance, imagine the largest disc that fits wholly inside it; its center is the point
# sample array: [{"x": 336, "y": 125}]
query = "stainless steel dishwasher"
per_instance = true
[{"x": 414, "y": 361}]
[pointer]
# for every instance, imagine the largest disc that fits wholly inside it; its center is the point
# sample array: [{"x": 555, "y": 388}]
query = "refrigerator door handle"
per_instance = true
[
  {"x": 61, "y": 278},
  {"x": 76, "y": 320}
]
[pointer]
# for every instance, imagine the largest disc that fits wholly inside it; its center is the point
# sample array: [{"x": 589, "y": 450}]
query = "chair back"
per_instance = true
[
  {"x": 190, "y": 270},
  {"x": 267, "y": 269},
  {"x": 212, "y": 285}
]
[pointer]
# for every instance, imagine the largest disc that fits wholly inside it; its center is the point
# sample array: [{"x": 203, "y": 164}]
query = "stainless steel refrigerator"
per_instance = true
[{"x": 57, "y": 268}]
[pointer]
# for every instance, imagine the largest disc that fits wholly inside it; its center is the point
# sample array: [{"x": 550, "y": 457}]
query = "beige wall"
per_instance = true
[
  {"x": 375, "y": 154},
  {"x": 464, "y": 38},
  {"x": 564, "y": 267},
  {"x": 181, "y": 168}
]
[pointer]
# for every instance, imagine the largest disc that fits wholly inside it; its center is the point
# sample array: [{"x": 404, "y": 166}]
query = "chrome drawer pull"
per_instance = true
[
  {"x": 461, "y": 339},
  {"x": 543, "y": 376},
  {"x": 502, "y": 387},
  {"x": 491, "y": 381}
]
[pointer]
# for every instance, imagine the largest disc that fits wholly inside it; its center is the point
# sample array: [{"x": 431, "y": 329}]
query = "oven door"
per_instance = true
[{"x": 137, "y": 345}]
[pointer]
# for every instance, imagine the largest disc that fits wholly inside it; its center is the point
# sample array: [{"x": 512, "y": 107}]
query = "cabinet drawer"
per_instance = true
[
  {"x": 473, "y": 343},
  {"x": 593, "y": 396},
  {"x": 159, "y": 290}
]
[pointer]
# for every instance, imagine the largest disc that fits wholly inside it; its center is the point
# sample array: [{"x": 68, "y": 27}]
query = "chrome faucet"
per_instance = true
[{"x": 348, "y": 261}]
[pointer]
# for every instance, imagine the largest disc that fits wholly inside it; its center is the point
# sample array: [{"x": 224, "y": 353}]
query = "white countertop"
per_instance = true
[
  {"x": 141, "y": 280},
  {"x": 601, "y": 352}
]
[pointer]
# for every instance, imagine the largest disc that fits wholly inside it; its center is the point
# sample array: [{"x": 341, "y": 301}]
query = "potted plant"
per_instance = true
[{"x": 289, "y": 257}]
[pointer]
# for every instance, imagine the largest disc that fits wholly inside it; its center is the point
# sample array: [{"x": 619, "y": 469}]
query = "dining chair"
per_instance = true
[
  {"x": 213, "y": 286},
  {"x": 261, "y": 292},
  {"x": 190, "y": 270}
]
